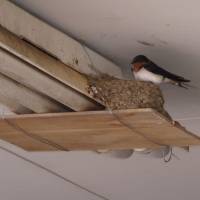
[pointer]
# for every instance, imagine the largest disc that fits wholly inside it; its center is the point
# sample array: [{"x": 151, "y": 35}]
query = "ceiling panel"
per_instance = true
[{"x": 166, "y": 31}]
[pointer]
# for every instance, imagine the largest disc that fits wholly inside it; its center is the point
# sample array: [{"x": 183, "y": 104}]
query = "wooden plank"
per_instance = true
[
  {"x": 15, "y": 92},
  {"x": 44, "y": 62},
  {"x": 57, "y": 43},
  {"x": 25, "y": 74},
  {"x": 125, "y": 129},
  {"x": 17, "y": 137}
]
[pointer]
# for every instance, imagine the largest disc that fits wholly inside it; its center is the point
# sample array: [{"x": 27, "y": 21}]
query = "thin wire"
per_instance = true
[
  {"x": 149, "y": 139},
  {"x": 171, "y": 154},
  {"x": 165, "y": 156},
  {"x": 52, "y": 172},
  {"x": 91, "y": 66},
  {"x": 175, "y": 156}
]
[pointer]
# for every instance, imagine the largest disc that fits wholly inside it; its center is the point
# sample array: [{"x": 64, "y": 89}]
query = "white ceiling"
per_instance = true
[
  {"x": 121, "y": 29},
  {"x": 166, "y": 31}
]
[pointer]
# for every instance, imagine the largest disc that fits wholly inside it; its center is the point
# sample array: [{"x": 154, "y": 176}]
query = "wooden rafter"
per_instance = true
[
  {"x": 17, "y": 94},
  {"x": 28, "y": 42},
  {"x": 43, "y": 61},
  {"x": 66, "y": 49},
  {"x": 24, "y": 73},
  {"x": 76, "y": 82}
]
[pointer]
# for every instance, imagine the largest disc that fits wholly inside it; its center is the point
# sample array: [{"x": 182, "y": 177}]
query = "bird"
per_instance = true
[{"x": 144, "y": 69}]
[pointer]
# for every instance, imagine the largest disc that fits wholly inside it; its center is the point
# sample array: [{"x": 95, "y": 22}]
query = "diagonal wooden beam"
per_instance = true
[
  {"x": 43, "y": 61},
  {"x": 55, "y": 42},
  {"x": 12, "y": 91},
  {"x": 27, "y": 75}
]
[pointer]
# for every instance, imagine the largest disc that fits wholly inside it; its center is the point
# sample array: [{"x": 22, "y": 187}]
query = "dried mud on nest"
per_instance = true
[{"x": 118, "y": 94}]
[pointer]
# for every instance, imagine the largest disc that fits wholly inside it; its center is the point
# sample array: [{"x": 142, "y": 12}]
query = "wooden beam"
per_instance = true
[
  {"x": 43, "y": 62},
  {"x": 125, "y": 129},
  {"x": 54, "y": 41},
  {"x": 20, "y": 95},
  {"x": 25, "y": 74}
]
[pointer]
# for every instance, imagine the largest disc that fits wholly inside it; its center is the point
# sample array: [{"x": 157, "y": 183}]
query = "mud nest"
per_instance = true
[{"x": 118, "y": 94}]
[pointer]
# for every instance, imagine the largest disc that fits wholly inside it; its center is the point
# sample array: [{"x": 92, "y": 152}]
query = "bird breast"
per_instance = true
[{"x": 145, "y": 75}]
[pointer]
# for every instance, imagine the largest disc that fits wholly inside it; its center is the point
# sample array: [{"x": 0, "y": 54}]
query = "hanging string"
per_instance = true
[{"x": 165, "y": 158}]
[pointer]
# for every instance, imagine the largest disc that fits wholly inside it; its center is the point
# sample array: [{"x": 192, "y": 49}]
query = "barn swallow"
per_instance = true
[{"x": 145, "y": 70}]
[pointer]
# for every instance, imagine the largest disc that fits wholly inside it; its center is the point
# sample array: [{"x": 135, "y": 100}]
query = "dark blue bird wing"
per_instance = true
[{"x": 152, "y": 67}]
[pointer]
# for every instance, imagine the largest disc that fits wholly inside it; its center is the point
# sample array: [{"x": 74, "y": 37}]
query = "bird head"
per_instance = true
[{"x": 138, "y": 62}]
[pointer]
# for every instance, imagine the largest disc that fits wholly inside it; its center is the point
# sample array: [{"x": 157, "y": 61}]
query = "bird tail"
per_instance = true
[
  {"x": 186, "y": 85},
  {"x": 181, "y": 79},
  {"x": 183, "y": 85},
  {"x": 181, "y": 82}
]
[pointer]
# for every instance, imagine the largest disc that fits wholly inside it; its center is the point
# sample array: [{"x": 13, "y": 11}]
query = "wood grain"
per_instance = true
[
  {"x": 126, "y": 129},
  {"x": 27, "y": 75},
  {"x": 55, "y": 42},
  {"x": 42, "y": 61},
  {"x": 16, "y": 94}
]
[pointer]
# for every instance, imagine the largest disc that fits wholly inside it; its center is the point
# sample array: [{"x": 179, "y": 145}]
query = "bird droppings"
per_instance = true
[
  {"x": 163, "y": 42},
  {"x": 118, "y": 94},
  {"x": 145, "y": 43},
  {"x": 75, "y": 61}
]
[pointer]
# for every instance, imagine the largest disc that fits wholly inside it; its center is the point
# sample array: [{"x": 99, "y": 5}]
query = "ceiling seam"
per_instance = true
[{"x": 36, "y": 164}]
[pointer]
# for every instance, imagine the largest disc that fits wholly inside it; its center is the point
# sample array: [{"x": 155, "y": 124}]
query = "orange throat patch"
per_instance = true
[{"x": 137, "y": 66}]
